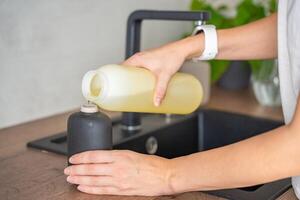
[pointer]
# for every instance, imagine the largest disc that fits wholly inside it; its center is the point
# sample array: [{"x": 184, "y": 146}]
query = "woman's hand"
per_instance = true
[
  {"x": 119, "y": 172},
  {"x": 163, "y": 62}
]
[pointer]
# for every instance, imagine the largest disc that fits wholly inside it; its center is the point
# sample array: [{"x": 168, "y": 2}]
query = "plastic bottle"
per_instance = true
[
  {"x": 131, "y": 89},
  {"x": 88, "y": 129}
]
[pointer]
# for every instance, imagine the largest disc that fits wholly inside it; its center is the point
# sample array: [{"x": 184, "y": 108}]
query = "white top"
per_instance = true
[{"x": 289, "y": 61}]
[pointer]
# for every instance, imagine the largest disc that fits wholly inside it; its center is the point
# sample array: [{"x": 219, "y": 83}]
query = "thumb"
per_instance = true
[
  {"x": 134, "y": 60},
  {"x": 160, "y": 89}
]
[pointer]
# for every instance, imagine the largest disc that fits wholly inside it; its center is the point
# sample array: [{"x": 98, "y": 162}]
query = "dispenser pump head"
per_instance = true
[{"x": 89, "y": 108}]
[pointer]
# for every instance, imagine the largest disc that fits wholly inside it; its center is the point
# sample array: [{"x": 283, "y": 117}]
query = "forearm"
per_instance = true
[
  {"x": 264, "y": 158},
  {"x": 257, "y": 40}
]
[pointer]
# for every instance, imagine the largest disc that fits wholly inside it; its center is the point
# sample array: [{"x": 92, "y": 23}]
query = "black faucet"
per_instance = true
[{"x": 132, "y": 121}]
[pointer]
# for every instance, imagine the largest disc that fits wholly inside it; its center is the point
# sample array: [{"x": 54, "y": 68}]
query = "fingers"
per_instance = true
[
  {"x": 92, "y": 157},
  {"x": 90, "y": 169},
  {"x": 142, "y": 59},
  {"x": 98, "y": 190},
  {"x": 92, "y": 180},
  {"x": 160, "y": 89}
]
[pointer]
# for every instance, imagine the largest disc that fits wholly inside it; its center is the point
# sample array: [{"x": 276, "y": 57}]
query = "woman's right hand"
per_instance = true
[{"x": 163, "y": 62}]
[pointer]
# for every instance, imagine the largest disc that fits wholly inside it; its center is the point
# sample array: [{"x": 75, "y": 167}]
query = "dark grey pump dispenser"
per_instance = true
[{"x": 88, "y": 129}]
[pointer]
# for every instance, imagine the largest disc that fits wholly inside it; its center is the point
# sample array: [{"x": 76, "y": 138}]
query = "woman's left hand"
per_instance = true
[{"x": 119, "y": 172}]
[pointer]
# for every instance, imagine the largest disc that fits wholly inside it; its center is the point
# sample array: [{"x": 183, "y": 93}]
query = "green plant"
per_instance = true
[{"x": 246, "y": 12}]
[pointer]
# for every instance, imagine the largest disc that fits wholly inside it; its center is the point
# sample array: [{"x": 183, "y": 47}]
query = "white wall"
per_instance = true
[{"x": 47, "y": 45}]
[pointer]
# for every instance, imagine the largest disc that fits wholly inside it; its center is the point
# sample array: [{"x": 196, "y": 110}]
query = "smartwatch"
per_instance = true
[{"x": 210, "y": 42}]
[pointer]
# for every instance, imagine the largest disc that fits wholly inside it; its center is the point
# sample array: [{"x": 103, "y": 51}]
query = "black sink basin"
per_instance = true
[{"x": 182, "y": 135}]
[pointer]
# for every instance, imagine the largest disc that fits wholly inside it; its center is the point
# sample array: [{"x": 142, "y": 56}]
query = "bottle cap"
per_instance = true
[{"x": 89, "y": 108}]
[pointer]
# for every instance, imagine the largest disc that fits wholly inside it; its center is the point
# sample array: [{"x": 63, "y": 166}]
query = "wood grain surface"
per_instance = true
[{"x": 36, "y": 175}]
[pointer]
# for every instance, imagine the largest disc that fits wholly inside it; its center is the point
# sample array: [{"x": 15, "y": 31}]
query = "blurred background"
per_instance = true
[{"x": 47, "y": 46}]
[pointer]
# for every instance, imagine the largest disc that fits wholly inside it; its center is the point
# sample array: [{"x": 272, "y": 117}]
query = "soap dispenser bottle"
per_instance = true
[{"x": 88, "y": 129}]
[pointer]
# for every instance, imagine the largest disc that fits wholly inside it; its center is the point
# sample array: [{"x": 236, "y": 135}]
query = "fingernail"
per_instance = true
[
  {"x": 70, "y": 179},
  {"x": 79, "y": 187},
  {"x": 156, "y": 102},
  {"x": 67, "y": 171},
  {"x": 71, "y": 160}
]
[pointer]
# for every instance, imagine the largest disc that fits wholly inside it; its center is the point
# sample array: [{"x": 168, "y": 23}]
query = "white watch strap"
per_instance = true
[{"x": 210, "y": 42}]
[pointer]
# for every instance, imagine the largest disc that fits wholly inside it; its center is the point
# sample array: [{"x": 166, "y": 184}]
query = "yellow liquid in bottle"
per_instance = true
[
  {"x": 95, "y": 86},
  {"x": 133, "y": 91}
]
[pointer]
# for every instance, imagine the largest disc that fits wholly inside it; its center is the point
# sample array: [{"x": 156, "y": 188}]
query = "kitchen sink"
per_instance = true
[{"x": 178, "y": 135}]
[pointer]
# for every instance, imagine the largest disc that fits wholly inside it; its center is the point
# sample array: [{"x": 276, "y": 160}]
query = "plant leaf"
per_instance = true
[{"x": 218, "y": 68}]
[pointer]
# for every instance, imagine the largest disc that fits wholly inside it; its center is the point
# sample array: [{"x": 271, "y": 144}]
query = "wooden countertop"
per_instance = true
[{"x": 31, "y": 174}]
